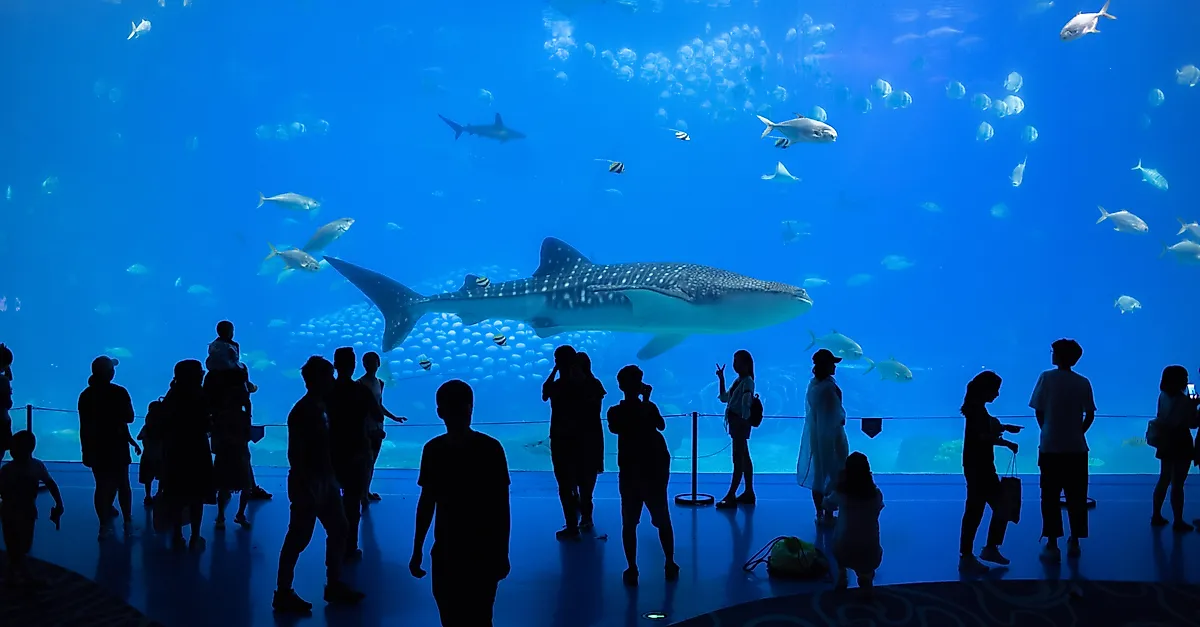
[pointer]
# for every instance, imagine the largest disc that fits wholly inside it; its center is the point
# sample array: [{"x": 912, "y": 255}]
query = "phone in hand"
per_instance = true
[{"x": 1191, "y": 390}]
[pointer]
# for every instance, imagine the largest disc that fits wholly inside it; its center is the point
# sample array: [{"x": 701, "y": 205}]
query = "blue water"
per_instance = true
[{"x": 158, "y": 146}]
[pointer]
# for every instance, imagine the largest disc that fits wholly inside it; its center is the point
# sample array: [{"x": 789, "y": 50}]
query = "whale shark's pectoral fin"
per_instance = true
[
  {"x": 545, "y": 327},
  {"x": 644, "y": 296},
  {"x": 660, "y": 344}
]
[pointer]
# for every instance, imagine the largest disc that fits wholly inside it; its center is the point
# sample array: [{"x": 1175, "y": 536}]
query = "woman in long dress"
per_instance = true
[{"x": 823, "y": 446}]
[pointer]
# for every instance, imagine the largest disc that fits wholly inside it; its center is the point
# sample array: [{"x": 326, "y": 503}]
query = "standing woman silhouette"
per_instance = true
[{"x": 739, "y": 400}]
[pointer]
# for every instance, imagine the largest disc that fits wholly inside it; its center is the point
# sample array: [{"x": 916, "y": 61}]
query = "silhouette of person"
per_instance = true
[
  {"x": 574, "y": 470},
  {"x": 374, "y": 385},
  {"x": 349, "y": 407},
  {"x": 105, "y": 413},
  {"x": 313, "y": 493},
  {"x": 6, "y": 402},
  {"x": 1065, "y": 408},
  {"x": 981, "y": 435},
  {"x": 739, "y": 399},
  {"x": 856, "y": 543},
  {"x": 19, "y": 481},
  {"x": 823, "y": 444},
  {"x": 464, "y": 493},
  {"x": 1171, "y": 437},
  {"x": 591, "y": 437},
  {"x": 229, "y": 388},
  {"x": 187, "y": 483},
  {"x": 151, "y": 461},
  {"x": 644, "y": 465}
]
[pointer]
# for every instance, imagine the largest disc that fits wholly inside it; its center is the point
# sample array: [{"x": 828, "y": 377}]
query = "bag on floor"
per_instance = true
[
  {"x": 1010, "y": 494},
  {"x": 788, "y": 557}
]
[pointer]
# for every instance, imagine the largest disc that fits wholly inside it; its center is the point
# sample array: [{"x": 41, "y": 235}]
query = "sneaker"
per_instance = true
[
  {"x": 219, "y": 525},
  {"x": 567, "y": 533},
  {"x": 338, "y": 593},
  {"x": 240, "y": 520},
  {"x": 127, "y": 528},
  {"x": 197, "y": 544},
  {"x": 992, "y": 554},
  {"x": 1182, "y": 527},
  {"x": 259, "y": 494},
  {"x": 1073, "y": 547},
  {"x": 288, "y": 602},
  {"x": 727, "y": 503},
  {"x": 1050, "y": 554},
  {"x": 106, "y": 532},
  {"x": 969, "y": 565},
  {"x": 630, "y": 577},
  {"x": 148, "y": 501},
  {"x": 746, "y": 498},
  {"x": 672, "y": 571},
  {"x": 586, "y": 525},
  {"x": 1157, "y": 520}
]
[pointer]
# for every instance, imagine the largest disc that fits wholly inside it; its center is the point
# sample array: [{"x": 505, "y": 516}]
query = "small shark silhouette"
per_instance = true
[
  {"x": 568, "y": 292},
  {"x": 496, "y": 130}
]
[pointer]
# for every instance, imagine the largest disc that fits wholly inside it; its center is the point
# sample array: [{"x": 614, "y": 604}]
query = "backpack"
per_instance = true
[
  {"x": 788, "y": 557},
  {"x": 756, "y": 412}
]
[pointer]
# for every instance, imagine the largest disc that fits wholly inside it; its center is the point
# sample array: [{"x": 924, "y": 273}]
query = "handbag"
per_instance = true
[
  {"x": 1152, "y": 433},
  {"x": 1010, "y": 493}
]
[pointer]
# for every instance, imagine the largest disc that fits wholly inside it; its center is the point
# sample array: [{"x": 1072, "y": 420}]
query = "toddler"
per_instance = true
[{"x": 19, "y": 480}]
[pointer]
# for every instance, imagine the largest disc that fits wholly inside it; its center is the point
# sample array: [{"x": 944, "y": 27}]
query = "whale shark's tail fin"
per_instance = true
[
  {"x": 397, "y": 303},
  {"x": 458, "y": 129}
]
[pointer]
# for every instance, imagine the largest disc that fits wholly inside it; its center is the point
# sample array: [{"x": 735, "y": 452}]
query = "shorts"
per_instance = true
[
  {"x": 639, "y": 492},
  {"x": 18, "y": 533}
]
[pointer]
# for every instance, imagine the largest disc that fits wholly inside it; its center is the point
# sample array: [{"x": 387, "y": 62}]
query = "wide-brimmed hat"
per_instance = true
[{"x": 823, "y": 356}]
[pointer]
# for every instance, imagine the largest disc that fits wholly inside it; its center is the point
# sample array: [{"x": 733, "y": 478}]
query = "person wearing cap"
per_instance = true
[
  {"x": 105, "y": 413},
  {"x": 823, "y": 445}
]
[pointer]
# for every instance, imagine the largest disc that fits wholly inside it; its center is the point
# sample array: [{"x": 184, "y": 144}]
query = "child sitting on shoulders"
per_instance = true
[
  {"x": 645, "y": 469},
  {"x": 19, "y": 480},
  {"x": 856, "y": 537}
]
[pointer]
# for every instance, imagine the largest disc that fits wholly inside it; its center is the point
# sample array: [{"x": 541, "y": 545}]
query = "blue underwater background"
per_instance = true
[{"x": 131, "y": 169}]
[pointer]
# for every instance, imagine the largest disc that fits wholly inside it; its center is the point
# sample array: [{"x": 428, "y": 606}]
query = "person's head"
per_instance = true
[
  {"x": 188, "y": 374},
  {"x": 564, "y": 357},
  {"x": 225, "y": 330},
  {"x": 629, "y": 380},
  {"x": 6, "y": 357},
  {"x": 1066, "y": 353},
  {"x": 743, "y": 363},
  {"x": 317, "y": 373},
  {"x": 104, "y": 368},
  {"x": 858, "y": 481},
  {"x": 344, "y": 361},
  {"x": 1174, "y": 380},
  {"x": 824, "y": 363},
  {"x": 984, "y": 388},
  {"x": 455, "y": 402},
  {"x": 584, "y": 363},
  {"x": 22, "y": 444},
  {"x": 371, "y": 362}
]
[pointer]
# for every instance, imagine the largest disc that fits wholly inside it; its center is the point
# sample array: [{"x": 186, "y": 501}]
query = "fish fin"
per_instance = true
[
  {"x": 458, "y": 129},
  {"x": 500, "y": 122},
  {"x": 1138, "y": 166},
  {"x": 274, "y": 252},
  {"x": 558, "y": 256},
  {"x": 545, "y": 328},
  {"x": 870, "y": 365},
  {"x": 285, "y": 273},
  {"x": 658, "y": 345},
  {"x": 1103, "y": 214},
  {"x": 1104, "y": 11},
  {"x": 1164, "y": 251},
  {"x": 770, "y": 126},
  {"x": 468, "y": 284},
  {"x": 399, "y": 305},
  {"x": 261, "y": 200},
  {"x": 132, "y": 32},
  {"x": 813, "y": 342}
]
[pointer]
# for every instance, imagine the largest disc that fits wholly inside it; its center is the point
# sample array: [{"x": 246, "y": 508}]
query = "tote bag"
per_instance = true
[{"x": 1010, "y": 493}]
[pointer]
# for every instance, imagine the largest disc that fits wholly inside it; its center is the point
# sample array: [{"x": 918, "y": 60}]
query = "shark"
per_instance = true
[
  {"x": 569, "y": 292},
  {"x": 496, "y": 130}
]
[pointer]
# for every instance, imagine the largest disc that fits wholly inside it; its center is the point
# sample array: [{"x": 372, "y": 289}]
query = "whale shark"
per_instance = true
[
  {"x": 569, "y": 292},
  {"x": 496, "y": 130}
]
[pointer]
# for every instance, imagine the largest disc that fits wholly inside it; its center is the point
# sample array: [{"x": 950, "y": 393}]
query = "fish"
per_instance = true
[
  {"x": 1085, "y": 23},
  {"x": 792, "y": 231},
  {"x": 8, "y": 193},
  {"x": 889, "y": 370},
  {"x": 780, "y": 175},
  {"x": 1188, "y": 75},
  {"x": 782, "y": 142},
  {"x": 801, "y": 129},
  {"x": 1127, "y": 304},
  {"x": 814, "y": 282},
  {"x": 1186, "y": 251},
  {"x": 682, "y": 136},
  {"x": 327, "y": 235},
  {"x": 1018, "y": 173},
  {"x": 294, "y": 259},
  {"x": 138, "y": 29},
  {"x": 290, "y": 200},
  {"x": 569, "y": 292},
  {"x": 499, "y": 339},
  {"x": 276, "y": 323},
  {"x": 616, "y": 167},
  {"x": 1151, "y": 176},
  {"x": 836, "y": 343},
  {"x": 1125, "y": 222},
  {"x": 424, "y": 362},
  {"x": 1134, "y": 442},
  {"x": 1191, "y": 228},
  {"x": 137, "y": 269},
  {"x": 482, "y": 281},
  {"x": 496, "y": 130},
  {"x": 118, "y": 351}
]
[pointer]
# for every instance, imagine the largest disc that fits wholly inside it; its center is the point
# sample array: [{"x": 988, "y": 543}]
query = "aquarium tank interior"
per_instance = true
[{"x": 926, "y": 188}]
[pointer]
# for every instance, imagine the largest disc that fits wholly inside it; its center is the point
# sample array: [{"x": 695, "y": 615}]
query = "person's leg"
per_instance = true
[
  {"x": 587, "y": 485},
  {"x": 333, "y": 517},
  {"x": 1179, "y": 473},
  {"x": 747, "y": 495},
  {"x": 376, "y": 448},
  {"x": 196, "y": 514},
  {"x": 1050, "y": 481},
  {"x": 735, "y": 481},
  {"x": 631, "y": 514},
  {"x": 448, "y": 589},
  {"x": 223, "y": 498},
  {"x": 479, "y": 599},
  {"x": 565, "y": 476},
  {"x": 106, "y": 491},
  {"x": 972, "y": 516},
  {"x": 1165, "y": 474},
  {"x": 1075, "y": 486},
  {"x": 125, "y": 496},
  {"x": 302, "y": 521},
  {"x": 660, "y": 516}
]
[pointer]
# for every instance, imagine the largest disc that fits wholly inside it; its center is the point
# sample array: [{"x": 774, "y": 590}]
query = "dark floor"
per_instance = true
[{"x": 579, "y": 584}]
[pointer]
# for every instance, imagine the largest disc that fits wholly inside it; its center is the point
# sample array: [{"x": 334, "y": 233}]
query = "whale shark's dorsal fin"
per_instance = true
[
  {"x": 499, "y": 122},
  {"x": 559, "y": 256}
]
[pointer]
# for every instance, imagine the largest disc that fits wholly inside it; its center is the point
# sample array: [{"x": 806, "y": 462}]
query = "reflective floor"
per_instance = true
[{"x": 579, "y": 584}]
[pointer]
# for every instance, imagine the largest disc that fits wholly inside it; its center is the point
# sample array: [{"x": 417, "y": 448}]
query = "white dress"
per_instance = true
[{"x": 823, "y": 447}]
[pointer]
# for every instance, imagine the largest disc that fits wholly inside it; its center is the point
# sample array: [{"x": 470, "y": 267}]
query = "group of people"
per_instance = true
[{"x": 197, "y": 439}]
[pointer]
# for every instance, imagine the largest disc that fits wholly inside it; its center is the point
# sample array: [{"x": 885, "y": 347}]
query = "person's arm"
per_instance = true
[
  {"x": 1035, "y": 402},
  {"x": 503, "y": 513},
  {"x": 130, "y": 441},
  {"x": 747, "y": 392},
  {"x": 126, "y": 408},
  {"x": 52, "y": 487},
  {"x": 385, "y": 409},
  {"x": 1089, "y": 407},
  {"x": 656, "y": 417},
  {"x": 426, "y": 505},
  {"x": 548, "y": 385},
  {"x": 616, "y": 420}
]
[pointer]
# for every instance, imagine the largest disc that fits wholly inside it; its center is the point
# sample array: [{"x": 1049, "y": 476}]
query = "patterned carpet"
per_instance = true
[
  {"x": 67, "y": 599},
  {"x": 975, "y": 603}
]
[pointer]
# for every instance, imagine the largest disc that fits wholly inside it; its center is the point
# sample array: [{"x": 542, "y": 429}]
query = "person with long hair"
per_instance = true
[
  {"x": 187, "y": 483},
  {"x": 823, "y": 445},
  {"x": 856, "y": 544},
  {"x": 981, "y": 435},
  {"x": 1170, "y": 435},
  {"x": 739, "y": 404},
  {"x": 591, "y": 432}
]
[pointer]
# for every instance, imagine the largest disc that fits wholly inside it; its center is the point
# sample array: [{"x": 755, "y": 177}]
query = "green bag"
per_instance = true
[{"x": 789, "y": 557}]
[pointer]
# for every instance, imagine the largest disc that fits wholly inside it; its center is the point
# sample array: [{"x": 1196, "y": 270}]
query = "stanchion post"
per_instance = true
[
  {"x": 695, "y": 498},
  {"x": 29, "y": 418}
]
